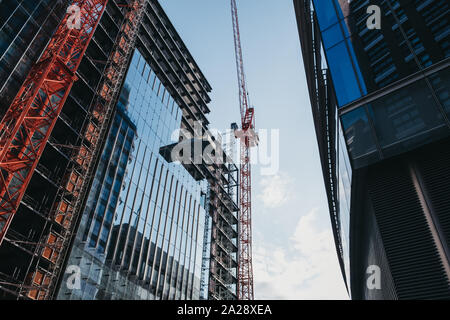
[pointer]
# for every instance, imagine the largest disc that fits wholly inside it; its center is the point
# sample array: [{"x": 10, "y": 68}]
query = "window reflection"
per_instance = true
[
  {"x": 402, "y": 120},
  {"x": 376, "y": 58},
  {"x": 407, "y": 118},
  {"x": 326, "y": 13},
  {"x": 344, "y": 79},
  {"x": 154, "y": 233},
  {"x": 345, "y": 183},
  {"x": 440, "y": 82},
  {"x": 359, "y": 137}
]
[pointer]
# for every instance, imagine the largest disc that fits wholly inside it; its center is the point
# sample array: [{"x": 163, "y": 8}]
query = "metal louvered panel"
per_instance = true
[
  {"x": 435, "y": 171},
  {"x": 413, "y": 257}
]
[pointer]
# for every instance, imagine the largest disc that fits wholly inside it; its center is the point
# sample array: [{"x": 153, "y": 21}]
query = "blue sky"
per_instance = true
[{"x": 293, "y": 250}]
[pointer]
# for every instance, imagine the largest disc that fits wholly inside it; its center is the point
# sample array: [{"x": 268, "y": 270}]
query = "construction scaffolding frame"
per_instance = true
[
  {"x": 49, "y": 253},
  {"x": 224, "y": 233}
]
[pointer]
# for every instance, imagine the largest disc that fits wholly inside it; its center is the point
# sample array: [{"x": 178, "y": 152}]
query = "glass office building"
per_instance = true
[
  {"x": 138, "y": 232},
  {"x": 381, "y": 107},
  {"x": 142, "y": 229}
]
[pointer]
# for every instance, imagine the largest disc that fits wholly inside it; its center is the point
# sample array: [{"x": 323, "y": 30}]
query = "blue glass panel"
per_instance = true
[
  {"x": 344, "y": 27},
  {"x": 326, "y": 13},
  {"x": 344, "y": 79},
  {"x": 356, "y": 67},
  {"x": 332, "y": 36}
]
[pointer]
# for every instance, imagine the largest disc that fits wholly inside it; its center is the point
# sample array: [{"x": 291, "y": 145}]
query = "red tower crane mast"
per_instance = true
[
  {"x": 29, "y": 121},
  {"x": 247, "y": 140}
]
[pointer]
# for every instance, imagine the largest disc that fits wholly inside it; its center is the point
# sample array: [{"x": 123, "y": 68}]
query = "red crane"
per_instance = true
[
  {"x": 29, "y": 121},
  {"x": 248, "y": 139}
]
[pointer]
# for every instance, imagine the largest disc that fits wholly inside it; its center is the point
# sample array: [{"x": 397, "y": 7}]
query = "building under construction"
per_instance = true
[
  {"x": 97, "y": 209},
  {"x": 224, "y": 233}
]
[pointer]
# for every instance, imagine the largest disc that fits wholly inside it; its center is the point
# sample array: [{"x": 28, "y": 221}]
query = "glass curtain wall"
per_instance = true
[
  {"x": 391, "y": 83},
  {"x": 141, "y": 235}
]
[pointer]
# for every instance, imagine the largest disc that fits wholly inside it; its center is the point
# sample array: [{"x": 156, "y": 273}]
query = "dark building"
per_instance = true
[
  {"x": 381, "y": 108},
  {"x": 140, "y": 233}
]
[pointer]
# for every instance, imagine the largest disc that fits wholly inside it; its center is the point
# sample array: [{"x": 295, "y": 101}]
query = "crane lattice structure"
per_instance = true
[
  {"x": 29, "y": 121},
  {"x": 248, "y": 139}
]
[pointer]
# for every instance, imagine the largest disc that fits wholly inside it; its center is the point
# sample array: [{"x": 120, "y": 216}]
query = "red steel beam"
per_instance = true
[
  {"x": 29, "y": 121},
  {"x": 245, "y": 266}
]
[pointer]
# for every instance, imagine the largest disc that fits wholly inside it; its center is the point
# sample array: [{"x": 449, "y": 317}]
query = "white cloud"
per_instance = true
[
  {"x": 276, "y": 190},
  {"x": 307, "y": 269}
]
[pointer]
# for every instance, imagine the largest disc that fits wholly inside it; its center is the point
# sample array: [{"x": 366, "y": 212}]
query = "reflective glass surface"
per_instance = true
[
  {"x": 141, "y": 235},
  {"x": 344, "y": 190},
  {"x": 440, "y": 81},
  {"x": 359, "y": 137},
  {"x": 402, "y": 120},
  {"x": 25, "y": 28},
  {"x": 413, "y": 35},
  {"x": 342, "y": 72},
  {"x": 407, "y": 118}
]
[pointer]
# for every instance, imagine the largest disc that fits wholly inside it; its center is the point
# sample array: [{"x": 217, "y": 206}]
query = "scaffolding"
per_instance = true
[
  {"x": 79, "y": 175},
  {"x": 30, "y": 119},
  {"x": 206, "y": 252},
  {"x": 224, "y": 233},
  {"x": 49, "y": 253}
]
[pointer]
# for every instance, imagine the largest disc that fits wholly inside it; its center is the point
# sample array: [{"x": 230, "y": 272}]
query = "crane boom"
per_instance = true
[
  {"x": 245, "y": 267},
  {"x": 243, "y": 102}
]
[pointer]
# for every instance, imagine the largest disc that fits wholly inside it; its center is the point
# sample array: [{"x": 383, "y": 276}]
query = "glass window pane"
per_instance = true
[
  {"x": 359, "y": 138},
  {"x": 407, "y": 119},
  {"x": 332, "y": 36},
  {"x": 440, "y": 82},
  {"x": 344, "y": 78},
  {"x": 326, "y": 13}
]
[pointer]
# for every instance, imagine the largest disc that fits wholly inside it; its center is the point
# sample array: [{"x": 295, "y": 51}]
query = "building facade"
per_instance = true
[
  {"x": 377, "y": 74},
  {"x": 141, "y": 231}
]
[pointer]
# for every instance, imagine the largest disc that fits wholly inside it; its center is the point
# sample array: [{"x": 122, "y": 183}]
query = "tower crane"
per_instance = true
[
  {"x": 248, "y": 139},
  {"x": 29, "y": 121}
]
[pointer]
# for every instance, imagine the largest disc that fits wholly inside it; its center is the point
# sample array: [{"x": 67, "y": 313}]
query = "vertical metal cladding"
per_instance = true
[{"x": 413, "y": 255}]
